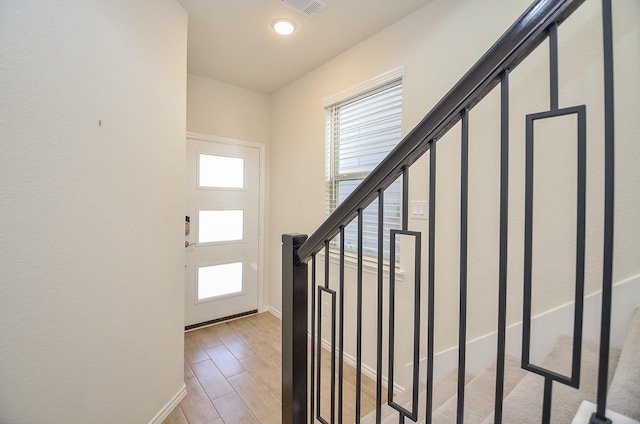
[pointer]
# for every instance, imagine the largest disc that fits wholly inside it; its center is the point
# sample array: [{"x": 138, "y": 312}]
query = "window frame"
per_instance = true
[{"x": 393, "y": 78}]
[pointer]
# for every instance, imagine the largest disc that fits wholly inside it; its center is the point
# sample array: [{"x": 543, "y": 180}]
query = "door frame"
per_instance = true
[{"x": 261, "y": 199}]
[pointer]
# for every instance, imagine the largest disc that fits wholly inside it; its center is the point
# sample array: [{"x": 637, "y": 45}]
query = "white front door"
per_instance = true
[{"x": 223, "y": 206}]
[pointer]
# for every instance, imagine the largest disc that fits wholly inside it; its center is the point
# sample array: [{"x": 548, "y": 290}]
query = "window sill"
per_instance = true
[{"x": 368, "y": 266}]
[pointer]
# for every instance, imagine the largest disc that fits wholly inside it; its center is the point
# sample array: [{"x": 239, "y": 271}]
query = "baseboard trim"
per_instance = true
[
  {"x": 170, "y": 406},
  {"x": 625, "y": 298},
  {"x": 219, "y": 320},
  {"x": 348, "y": 359},
  {"x": 366, "y": 370},
  {"x": 481, "y": 352},
  {"x": 276, "y": 313}
]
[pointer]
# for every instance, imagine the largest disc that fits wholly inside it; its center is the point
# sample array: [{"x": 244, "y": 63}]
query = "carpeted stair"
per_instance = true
[
  {"x": 524, "y": 391},
  {"x": 445, "y": 389},
  {"x": 524, "y": 403},
  {"x": 624, "y": 394},
  {"x": 480, "y": 394}
]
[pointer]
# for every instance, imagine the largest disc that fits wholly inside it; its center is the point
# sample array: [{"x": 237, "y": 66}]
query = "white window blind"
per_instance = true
[{"x": 361, "y": 131}]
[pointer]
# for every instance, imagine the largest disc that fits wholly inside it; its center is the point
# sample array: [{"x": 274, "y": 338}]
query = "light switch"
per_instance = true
[{"x": 419, "y": 209}]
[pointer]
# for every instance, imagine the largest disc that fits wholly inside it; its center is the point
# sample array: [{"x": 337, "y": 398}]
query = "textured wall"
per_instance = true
[
  {"x": 91, "y": 203},
  {"x": 224, "y": 110}
]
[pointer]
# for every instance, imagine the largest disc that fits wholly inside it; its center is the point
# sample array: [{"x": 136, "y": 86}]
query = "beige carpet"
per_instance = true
[
  {"x": 480, "y": 394},
  {"x": 443, "y": 390},
  {"x": 624, "y": 394},
  {"x": 524, "y": 391},
  {"x": 524, "y": 404}
]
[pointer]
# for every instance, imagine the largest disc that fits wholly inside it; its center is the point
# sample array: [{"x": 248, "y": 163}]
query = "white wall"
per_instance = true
[
  {"x": 91, "y": 259},
  {"x": 225, "y": 110},
  {"x": 438, "y": 44}
]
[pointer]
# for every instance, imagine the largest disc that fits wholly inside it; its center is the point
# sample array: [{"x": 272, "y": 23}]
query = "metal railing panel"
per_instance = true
[
  {"x": 609, "y": 183},
  {"x": 513, "y": 47},
  {"x": 541, "y": 20}
]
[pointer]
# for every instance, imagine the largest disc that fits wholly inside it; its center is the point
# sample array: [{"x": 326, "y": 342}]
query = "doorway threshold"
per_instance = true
[{"x": 219, "y": 320}]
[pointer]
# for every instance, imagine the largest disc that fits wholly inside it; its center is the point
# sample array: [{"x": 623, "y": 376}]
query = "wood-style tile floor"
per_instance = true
[{"x": 232, "y": 372}]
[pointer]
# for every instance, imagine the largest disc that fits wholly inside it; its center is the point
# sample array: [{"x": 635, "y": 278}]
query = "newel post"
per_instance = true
[{"x": 294, "y": 331}]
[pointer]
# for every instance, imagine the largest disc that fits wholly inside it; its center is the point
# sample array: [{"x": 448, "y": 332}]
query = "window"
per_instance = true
[
  {"x": 220, "y": 172},
  {"x": 219, "y": 280},
  {"x": 361, "y": 130},
  {"x": 220, "y": 226}
]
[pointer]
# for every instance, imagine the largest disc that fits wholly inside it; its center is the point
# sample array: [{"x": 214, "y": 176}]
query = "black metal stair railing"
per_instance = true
[{"x": 301, "y": 401}]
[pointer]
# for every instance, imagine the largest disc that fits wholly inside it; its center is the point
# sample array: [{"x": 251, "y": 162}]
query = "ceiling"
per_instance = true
[{"x": 232, "y": 41}]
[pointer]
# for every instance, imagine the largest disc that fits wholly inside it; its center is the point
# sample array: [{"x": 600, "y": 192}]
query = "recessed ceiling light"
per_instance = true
[{"x": 283, "y": 26}]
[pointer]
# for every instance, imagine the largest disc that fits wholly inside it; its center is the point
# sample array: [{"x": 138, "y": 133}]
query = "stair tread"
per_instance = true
[
  {"x": 624, "y": 395},
  {"x": 524, "y": 390},
  {"x": 443, "y": 390},
  {"x": 524, "y": 403},
  {"x": 480, "y": 394}
]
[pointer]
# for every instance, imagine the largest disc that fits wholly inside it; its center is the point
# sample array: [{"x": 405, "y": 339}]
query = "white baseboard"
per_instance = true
[
  {"x": 545, "y": 328},
  {"x": 348, "y": 359},
  {"x": 276, "y": 313},
  {"x": 366, "y": 370},
  {"x": 170, "y": 406}
]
